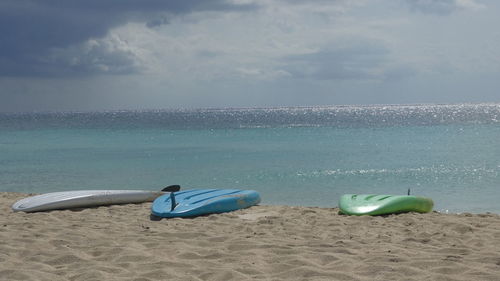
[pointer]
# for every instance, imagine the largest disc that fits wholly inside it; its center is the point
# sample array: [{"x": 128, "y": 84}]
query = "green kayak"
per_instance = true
[{"x": 372, "y": 204}]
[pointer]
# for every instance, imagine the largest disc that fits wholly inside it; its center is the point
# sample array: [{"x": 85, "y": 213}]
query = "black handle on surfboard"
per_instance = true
[{"x": 172, "y": 188}]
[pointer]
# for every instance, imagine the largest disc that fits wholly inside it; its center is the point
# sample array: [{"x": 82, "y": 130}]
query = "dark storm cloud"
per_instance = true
[
  {"x": 30, "y": 31},
  {"x": 301, "y": 2},
  {"x": 359, "y": 61}
]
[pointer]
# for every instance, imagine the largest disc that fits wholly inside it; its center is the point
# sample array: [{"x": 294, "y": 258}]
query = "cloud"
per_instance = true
[
  {"x": 34, "y": 32},
  {"x": 442, "y": 7},
  {"x": 109, "y": 55},
  {"x": 356, "y": 61}
]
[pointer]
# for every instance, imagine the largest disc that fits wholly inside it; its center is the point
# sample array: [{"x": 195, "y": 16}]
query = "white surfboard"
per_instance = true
[{"x": 83, "y": 198}]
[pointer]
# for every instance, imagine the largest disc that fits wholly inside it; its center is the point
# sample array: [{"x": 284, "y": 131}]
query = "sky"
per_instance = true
[{"x": 94, "y": 55}]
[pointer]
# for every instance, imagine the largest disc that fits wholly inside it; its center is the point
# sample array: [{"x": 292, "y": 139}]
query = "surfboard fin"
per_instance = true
[
  {"x": 172, "y": 199},
  {"x": 172, "y": 188}
]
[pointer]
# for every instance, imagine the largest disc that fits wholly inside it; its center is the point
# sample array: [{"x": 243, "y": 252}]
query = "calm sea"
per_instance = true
[{"x": 306, "y": 156}]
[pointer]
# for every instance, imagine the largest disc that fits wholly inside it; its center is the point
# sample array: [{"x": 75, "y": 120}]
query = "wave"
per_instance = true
[
  {"x": 432, "y": 171},
  {"x": 238, "y": 118}
]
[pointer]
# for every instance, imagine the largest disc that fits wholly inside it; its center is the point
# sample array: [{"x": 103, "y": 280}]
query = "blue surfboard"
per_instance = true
[{"x": 197, "y": 202}]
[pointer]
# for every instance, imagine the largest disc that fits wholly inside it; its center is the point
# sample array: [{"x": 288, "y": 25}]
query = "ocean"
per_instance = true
[{"x": 303, "y": 156}]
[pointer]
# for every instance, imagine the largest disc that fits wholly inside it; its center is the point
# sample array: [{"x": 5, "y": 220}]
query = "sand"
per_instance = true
[{"x": 260, "y": 243}]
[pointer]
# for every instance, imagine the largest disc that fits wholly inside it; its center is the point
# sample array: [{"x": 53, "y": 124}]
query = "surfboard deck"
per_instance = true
[
  {"x": 372, "y": 204},
  {"x": 198, "y": 202},
  {"x": 83, "y": 198}
]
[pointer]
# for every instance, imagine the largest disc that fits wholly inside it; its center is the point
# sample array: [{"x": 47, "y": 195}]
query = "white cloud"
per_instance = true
[
  {"x": 314, "y": 52},
  {"x": 470, "y": 4},
  {"x": 443, "y": 7},
  {"x": 210, "y": 46},
  {"x": 108, "y": 55},
  {"x": 314, "y": 40}
]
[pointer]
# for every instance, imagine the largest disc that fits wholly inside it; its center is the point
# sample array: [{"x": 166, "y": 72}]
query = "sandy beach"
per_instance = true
[{"x": 123, "y": 242}]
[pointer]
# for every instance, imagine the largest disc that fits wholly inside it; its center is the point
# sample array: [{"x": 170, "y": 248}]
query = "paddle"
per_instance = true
[{"x": 172, "y": 188}]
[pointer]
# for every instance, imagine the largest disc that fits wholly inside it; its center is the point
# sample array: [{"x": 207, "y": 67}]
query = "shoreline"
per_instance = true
[{"x": 265, "y": 242}]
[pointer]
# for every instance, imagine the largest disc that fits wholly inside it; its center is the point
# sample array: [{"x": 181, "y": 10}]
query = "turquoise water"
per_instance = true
[{"x": 293, "y": 156}]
